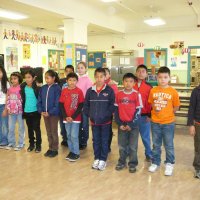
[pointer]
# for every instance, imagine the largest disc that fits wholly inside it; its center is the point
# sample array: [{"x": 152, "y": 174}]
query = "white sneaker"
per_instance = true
[
  {"x": 169, "y": 169},
  {"x": 153, "y": 168},
  {"x": 102, "y": 165},
  {"x": 95, "y": 164},
  {"x": 18, "y": 148},
  {"x": 9, "y": 147}
]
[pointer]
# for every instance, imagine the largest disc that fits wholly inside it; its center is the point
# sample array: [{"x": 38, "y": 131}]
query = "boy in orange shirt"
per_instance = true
[{"x": 165, "y": 102}]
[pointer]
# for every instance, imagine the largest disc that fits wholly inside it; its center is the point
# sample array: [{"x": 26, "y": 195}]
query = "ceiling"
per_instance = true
[{"x": 177, "y": 14}]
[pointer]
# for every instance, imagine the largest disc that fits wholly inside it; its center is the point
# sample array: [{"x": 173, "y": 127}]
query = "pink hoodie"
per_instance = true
[{"x": 84, "y": 83}]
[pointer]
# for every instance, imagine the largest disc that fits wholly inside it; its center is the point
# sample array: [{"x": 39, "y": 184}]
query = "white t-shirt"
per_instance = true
[{"x": 3, "y": 95}]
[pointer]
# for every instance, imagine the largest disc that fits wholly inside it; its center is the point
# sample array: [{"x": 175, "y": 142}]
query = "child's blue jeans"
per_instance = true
[{"x": 163, "y": 133}]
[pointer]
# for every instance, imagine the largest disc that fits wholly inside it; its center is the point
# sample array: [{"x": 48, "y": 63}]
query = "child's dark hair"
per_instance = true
[
  {"x": 18, "y": 75},
  {"x": 129, "y": 75},
  {"x": 31, "y": 72},
  {"x": 164, "y": 70},
  {"x": 100, "y": 70},
  {"x": 69, "y": 67},
  {"x": 142, "y": 67},
  {"x": 72, "y": 75},
  {"x": 4, "y": 80},
  {"x": 83, "y": 63},
  {"x": 53, "y": 74},
  {"x": 107, "y": 70}
]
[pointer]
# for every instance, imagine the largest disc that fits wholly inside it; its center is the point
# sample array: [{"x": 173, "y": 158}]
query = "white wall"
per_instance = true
[
  {"x": 150, "y": 40},
  {"x": 37, "y": 50}
]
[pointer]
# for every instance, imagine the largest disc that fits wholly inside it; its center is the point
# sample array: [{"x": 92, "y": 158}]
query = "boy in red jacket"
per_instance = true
[
  {"x": 144, "y": 122},
  {"x": 128, "y": 108}
]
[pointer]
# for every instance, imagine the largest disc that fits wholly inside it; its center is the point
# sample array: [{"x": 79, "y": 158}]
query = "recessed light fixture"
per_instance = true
[
  {"x": 12, "y": 15},
  {"x": 61, "y": 27},
  {"x": 155, "y": 22},
  {"x": 108, "y": 1}
]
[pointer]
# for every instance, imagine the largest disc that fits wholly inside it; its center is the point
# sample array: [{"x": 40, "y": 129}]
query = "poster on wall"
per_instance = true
[
  {"x": 12, "y": 58},
  {"x": 81, "y": 53},
  {"x": 55, "y": 59},
  {"x": 26, "y": 51},
  {"x": 69, "y": 54}
]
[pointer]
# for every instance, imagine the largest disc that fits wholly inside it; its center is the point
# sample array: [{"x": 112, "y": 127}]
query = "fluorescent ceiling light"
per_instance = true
[
  {"x": 108, "y": 1},
  {"x": 12, "y": 15},
  {"x": 61, "y": 27},
  {"x": 154, "y": 22}
]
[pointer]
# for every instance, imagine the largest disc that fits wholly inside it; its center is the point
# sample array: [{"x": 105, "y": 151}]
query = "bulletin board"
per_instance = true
[
  {"x": 56, "y": 59},
  {"x": 80, "y": 53},
  {"x": 96, "y": 59},
  {"x": 69, "y": 54},
  {"x": 155, "y": 59}
]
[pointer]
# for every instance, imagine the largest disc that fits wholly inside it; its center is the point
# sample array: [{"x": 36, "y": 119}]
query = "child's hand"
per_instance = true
[
  {"x": 192, "y": 130},
  {"x": 45, "y": 114},
  {"x": 128, "y": 128},
  {"x": 148, "y": 119},
  {"x": 123, "y": 128},
  {"x": 4, "y": 113},
  {"x": 69, "y": 119}
]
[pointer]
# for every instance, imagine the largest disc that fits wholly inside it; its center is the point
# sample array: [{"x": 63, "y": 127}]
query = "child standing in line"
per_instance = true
[
  {"x": 48, "y": 106},
  {"x": 194, "y": 127},
  {"x": 71, "y": 103},
  {"x": 144, "y": 121},
  {"x": 84, "y": 83},
  {"x": 14, "y": 107},
  {"x": 129, "y": 105},
  {"x": 165, "y": 102},
  {"x": 63, "y": 84},
  {"x": 99, "y": 106},
  {"x": 29, "y": 93},
  {"x": 4, "y": 86},
  {"x": 113, "y": 85}
]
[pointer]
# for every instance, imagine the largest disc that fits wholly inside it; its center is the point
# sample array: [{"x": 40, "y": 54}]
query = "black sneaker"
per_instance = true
[
  {"x": 69, "y": 156},
  {"x": 82, "y": 147},
  {"x": 74, "y": 157},
  {"x": 38, "y": 149},
  {"x": 64, "y": 143},
  {"x": 47, "y": 153},
  {"x": 30, "y": 148},
  {"x": 197, "y": 174},
  {"x": 120, "y": 166},
  {"x": 53, "y": 154},
  {"x": 132, "y": 169}
]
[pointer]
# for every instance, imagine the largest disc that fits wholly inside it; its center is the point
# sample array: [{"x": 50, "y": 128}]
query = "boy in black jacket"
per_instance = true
[
  {"x": 194, "y": 129},
  {"x": 99, "y": 106}
]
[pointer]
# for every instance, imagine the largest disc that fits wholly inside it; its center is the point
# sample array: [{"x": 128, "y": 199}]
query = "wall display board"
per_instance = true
[
  {"x": 96, "y": 59},
  {"x": 56, "y": 59}
]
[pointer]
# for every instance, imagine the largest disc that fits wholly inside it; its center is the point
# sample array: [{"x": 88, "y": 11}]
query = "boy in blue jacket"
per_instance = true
[{"x": 99, "y": 106}]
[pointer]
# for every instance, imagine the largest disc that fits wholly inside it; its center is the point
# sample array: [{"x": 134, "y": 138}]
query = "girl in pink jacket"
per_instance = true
[{"x": 84, "y": 83}]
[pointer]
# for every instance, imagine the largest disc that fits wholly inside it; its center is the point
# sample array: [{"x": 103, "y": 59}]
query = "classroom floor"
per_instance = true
[{"x": 31, "y": 176}]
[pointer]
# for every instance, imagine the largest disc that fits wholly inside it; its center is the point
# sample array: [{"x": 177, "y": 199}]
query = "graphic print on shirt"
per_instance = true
[
  {"x": 126, "y": 100},
  {"x": 160, "y": 100},
  {"x": 74, "y": 103}
]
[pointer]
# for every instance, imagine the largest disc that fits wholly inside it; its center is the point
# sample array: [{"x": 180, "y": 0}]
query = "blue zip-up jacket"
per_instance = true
[
  {"x": 48, "y": 99},
  {"x": 99, "y": 106}
]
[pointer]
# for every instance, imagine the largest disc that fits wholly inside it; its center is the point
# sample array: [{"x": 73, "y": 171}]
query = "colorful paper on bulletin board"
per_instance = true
[
  {"x": 12, "y": 58},
  {"x": 44, "y": 60},
  {"x": 154, "y": 59},
  {"x": 26, "y": 51},
  {"x": 69, "y": 54}
]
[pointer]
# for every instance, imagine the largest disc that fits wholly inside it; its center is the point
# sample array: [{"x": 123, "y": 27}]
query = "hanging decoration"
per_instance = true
[{"x": 31, "y": 37}]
